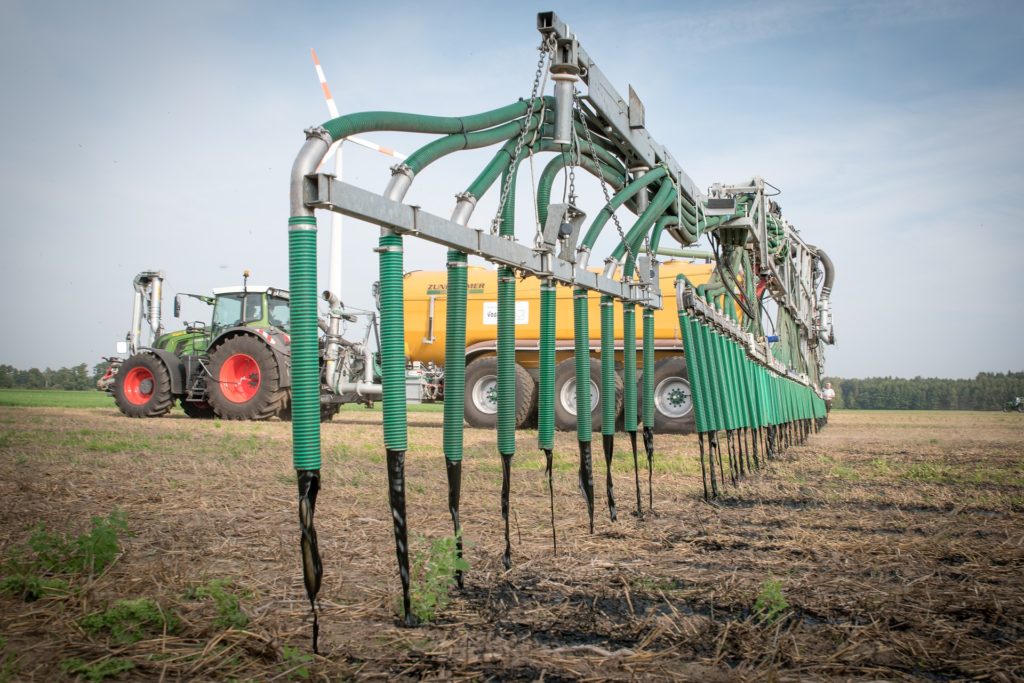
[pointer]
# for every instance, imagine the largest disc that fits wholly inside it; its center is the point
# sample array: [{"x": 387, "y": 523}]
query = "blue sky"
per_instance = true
[{"x": 143, "y": 135}]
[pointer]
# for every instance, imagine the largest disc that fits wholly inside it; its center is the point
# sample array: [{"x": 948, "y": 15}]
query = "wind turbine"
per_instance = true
[{"x": 334, "y": 270}]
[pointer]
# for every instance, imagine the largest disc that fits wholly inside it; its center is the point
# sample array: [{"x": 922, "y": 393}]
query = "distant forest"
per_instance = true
[
  {"x": 987, "y": 391},
  {"x": 78, "y": 378}
]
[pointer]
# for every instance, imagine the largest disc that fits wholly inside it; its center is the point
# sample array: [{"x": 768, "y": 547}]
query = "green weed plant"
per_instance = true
[
  {"x": 229, "y": 611},
  {"x": 770, "y": 604},
  {"x": 52, "y": 557},
  {"x": 433, "y": 575},
  {"x": 97, "y": 671},
  {"x": 129, "y": 621}
]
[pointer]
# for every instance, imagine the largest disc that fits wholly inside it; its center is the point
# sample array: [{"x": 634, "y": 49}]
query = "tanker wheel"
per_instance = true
[
  {"x": 673, "y": 399},
  {"x": 142, "y": 387},
  {"x": 481, "y": 394},
  {"x": 197, "y": 410},
  {"x": 244, "y": 380},
  {"x": 565, "y": 395}
]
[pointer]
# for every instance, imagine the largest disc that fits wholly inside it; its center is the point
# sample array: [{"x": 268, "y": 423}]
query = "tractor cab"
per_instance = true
[{"x": 250, "y": 307}]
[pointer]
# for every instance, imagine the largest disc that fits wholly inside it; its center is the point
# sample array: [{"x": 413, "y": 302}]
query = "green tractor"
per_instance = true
[{"x": 237, "y": 368}]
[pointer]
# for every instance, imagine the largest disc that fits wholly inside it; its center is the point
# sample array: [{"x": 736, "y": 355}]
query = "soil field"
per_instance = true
[{"x": 890, "y": 546}]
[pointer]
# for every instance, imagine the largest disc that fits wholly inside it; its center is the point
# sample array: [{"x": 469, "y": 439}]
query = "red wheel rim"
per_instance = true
[
  {"x": 138, "y": 386},
  {"x": 239, "y": 378}
]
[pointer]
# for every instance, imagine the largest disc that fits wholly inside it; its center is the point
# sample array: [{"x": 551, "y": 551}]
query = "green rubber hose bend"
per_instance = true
[
  {"x": 618, "y": 200},
  {"x": 392, "y": 342},
  {"x": 546, "y": 383},
  {"x": 555, "y": 166},
  {"x": 648, "y": 388},
  {"x": 584, "y": 420},
  {"x": 455, "y": 355},
  {"x": 608, "y": 392},
  {"x": 363, "y": 122},
  {"x": 305, "y": 343},
  {"x": 441, "y": 147}
]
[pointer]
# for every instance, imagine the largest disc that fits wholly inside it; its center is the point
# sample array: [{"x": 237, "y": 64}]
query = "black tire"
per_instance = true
[
  {"x": 244, "y": 382},
  {"x": 673, "y": 399},
  {"x": 565, "y": 395},
  {"x": 197, "y": 410},
  {"x": 142, "y": 387},
  {"x": 480, "y": 402}
]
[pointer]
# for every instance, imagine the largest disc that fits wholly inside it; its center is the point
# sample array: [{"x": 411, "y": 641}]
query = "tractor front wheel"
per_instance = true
[
  {"x": 245, "y": 380},
  {"x": 142, "y": 387}
]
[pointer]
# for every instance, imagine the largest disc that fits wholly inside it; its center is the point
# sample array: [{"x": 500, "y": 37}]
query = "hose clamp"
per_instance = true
[{"x": 319, "y": 132}]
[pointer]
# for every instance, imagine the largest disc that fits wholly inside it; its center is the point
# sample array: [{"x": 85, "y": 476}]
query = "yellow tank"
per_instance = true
[{"x": 425, "y": 324}]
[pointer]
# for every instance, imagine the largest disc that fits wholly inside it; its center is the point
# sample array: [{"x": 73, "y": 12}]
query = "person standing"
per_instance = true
[{"x": 829, "y": 394}]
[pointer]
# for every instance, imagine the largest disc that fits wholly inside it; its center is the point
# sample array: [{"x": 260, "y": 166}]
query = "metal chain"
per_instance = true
[
  {"x": 545, "y": 51},
  {"x": 600, "y": 176}
]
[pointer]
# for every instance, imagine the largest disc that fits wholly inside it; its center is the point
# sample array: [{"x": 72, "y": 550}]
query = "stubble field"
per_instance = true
[{"x": 890, "y": 546}]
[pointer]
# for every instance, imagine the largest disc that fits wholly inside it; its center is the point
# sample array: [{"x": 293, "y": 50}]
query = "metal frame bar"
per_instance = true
[{"x": 323, "y": 191}]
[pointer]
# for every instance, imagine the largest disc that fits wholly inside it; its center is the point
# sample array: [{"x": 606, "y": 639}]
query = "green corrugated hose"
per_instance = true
[
  {"x": 306, "y": 398},
  {"x": 546, "y": 385},
  {"x": 584, "y": 421},
  {"x": 629, "y": 388},
  {"x": 304, "y": 346},
  {"x": 608, "y": 402},
  {"x": 648, "y": 400},
  {"x": 546, "y": 389},
  {"x": 455, "y": 383}
]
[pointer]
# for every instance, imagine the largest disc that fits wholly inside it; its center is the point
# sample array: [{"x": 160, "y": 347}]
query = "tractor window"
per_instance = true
[
  {"x": 227, "y": 312},
  {"x": 280, "y": 312}
]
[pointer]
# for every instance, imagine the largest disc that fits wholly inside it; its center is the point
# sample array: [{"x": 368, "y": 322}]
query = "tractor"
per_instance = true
[{"x": 237, "y": 367}]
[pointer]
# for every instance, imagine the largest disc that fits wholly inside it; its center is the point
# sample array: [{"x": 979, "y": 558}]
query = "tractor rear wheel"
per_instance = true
[
  {"x": 565, "y": 395},
  {"x": 142, "y": 387},
  {"x": 480, "y": 403},
  {"x": 245, "y": 380},
  {"x": 673, "y": 400}
]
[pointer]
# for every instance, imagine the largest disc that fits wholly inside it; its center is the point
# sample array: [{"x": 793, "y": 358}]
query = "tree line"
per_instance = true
[
  {"x": 77, "y": 378},
  {"x": 987, "y": 391}
]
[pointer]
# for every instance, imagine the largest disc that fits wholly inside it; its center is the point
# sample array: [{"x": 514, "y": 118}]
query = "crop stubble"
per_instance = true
[{"x": 896, "y": 539}]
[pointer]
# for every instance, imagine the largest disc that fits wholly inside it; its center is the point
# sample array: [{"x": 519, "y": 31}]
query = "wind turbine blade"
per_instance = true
[{"x": 332, "y": 107}]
